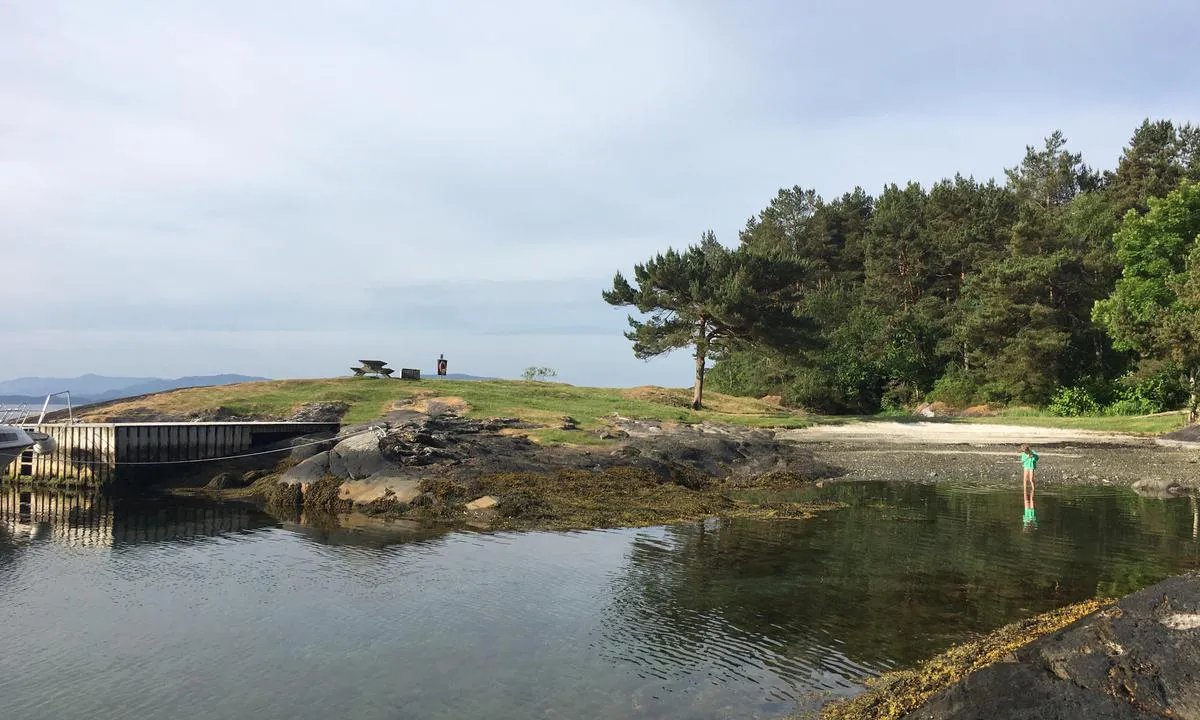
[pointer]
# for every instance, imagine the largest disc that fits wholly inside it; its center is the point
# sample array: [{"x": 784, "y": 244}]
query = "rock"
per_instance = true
[
  {"x": 320, "y": 412},
  {"x": 612, "y": 434},
  {"x": 307, "y": 446},
  {"x": 219, "y": 414},
  {"x": 379, "y": 487},
  {"x": 484, "y": 503},
  {"x": 1138, "y": 660},
  {"x": 1155, "y": 487},
  {"x": 926, "y": 410},
  {"x": 226, "y": 481},
  {"x": 568, "y": 423},
  {"x": 496, "y": 424},
  {"x": 423, "y": 500},
  {"x": 359, "y": 457},
  {"x": 311, "y": 470},
  {"x": 255, "y": 475}
]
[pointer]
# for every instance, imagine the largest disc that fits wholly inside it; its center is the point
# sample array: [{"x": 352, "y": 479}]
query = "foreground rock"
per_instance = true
[{"x": 1139, "y": 659}]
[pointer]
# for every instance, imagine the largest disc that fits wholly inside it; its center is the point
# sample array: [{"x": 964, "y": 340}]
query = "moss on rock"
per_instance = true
[{"x": 894, "y": 695}]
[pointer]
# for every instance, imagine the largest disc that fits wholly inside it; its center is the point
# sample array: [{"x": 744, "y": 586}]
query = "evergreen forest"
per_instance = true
[{"x": 1064, "y": 287}]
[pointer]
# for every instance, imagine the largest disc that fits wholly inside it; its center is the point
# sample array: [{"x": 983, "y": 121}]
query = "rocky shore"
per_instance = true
[
  {"x": 935, "y": 452},
  {"x": 435, "y": 464},
  {"x": 1133, "y": 659}
]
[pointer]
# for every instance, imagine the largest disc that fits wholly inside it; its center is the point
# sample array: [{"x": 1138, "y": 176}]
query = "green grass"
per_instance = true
[
  {"x": 1140, "y": 424},
  {"x": 533, "y": 401},
  {"x": 547, "y": 403},
  {"x": 1032, "y": 417}
]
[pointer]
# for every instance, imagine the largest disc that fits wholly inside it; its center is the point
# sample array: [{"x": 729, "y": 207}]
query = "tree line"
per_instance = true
[{"x": 1062, "y": 286}]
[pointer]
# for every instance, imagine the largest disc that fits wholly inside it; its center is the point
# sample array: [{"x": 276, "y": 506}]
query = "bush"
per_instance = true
[
  {"x": 1152, "y": 394},
  {"x": 813, "y": 393},
  {"x": 744, "y": 373},
  {"x": 534, "y": 372},
  {"x": 1129, "y": 407},
  {"x": 1072, "y": 402},
  {"x": 955, "y": 388}
]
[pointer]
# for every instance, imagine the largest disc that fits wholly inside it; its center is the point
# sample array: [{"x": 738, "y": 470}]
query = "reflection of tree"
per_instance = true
[{"x": 903, "y": 572}]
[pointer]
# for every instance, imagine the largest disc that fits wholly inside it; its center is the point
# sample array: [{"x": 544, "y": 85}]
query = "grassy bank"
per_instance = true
[
  {"x": 1142, "y": 424},
  {"x": 370, "y": 398},
  {"x": 547, "y": 402}
]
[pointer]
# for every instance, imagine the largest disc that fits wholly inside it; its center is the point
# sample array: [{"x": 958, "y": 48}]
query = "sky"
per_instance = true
[{"x": 281, "y": 189}]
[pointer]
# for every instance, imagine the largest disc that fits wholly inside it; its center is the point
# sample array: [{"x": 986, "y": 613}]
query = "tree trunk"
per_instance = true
[
  {"x": 1193, "y": 396},
  {"x": 698, "y": 389}
]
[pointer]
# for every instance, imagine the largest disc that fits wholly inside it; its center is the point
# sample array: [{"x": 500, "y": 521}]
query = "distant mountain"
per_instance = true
[
  {"x": 456, "y": 376},
  {"x": 98, "y": 388},
  {"x": 83, "y": 385}
]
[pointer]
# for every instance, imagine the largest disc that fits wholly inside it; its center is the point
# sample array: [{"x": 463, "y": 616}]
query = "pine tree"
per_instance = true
[{"x": 712, "y": 299}]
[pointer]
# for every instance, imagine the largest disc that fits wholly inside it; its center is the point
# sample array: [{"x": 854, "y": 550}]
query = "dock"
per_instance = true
[{"x": 96, "y": 454}]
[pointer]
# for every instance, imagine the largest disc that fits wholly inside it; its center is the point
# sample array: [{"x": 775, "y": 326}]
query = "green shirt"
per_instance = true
[{"x": 1029, "y": 460}]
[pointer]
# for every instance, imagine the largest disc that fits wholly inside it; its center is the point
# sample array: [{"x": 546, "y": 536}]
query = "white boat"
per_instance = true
[
  {"x": 13, "y": 442},
  {"x": 15, "y": 439}
]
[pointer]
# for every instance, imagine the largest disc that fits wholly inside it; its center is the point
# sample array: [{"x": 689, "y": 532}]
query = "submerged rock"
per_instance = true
[
  {"x": 1156, "y": 487},
  {"x": 227, "y": 480}
]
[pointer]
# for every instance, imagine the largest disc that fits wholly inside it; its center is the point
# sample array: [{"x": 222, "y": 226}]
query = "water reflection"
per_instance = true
[
  {"x": 96, "y": 520},
  {"x": 1029, "y": 519},
  {"x": 187, "y": 609},
  {"x": 809, "y": 609}
]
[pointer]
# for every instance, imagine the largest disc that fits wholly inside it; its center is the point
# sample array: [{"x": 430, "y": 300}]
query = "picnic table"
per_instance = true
[{"x": 373, "y": 367}]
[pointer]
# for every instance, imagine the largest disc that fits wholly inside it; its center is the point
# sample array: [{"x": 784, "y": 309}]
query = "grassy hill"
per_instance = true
[{"x": 370, "y": 398}]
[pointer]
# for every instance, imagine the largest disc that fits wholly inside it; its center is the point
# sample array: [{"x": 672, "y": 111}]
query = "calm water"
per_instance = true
[{"x": 202, "y": 611}]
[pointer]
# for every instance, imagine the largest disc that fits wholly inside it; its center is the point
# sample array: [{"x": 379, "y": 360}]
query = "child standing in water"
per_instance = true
[{"x": 1029, "y": 461}]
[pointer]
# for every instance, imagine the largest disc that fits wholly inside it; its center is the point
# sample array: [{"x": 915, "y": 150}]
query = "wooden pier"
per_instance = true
[{"x": 95, "y": 454}]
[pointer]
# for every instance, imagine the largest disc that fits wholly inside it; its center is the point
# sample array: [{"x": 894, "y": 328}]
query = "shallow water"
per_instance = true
[{"x": 189, "y": 610}]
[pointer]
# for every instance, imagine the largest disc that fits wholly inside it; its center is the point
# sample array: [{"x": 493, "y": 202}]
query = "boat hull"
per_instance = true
[
  {"x": 7, "y": 455},
  {"x": 13, "y": 442}
]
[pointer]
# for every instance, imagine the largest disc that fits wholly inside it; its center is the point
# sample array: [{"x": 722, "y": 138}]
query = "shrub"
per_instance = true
[
  {"x": 1152, "y": 394},
  {"x": 538, "y": 373},
  {"x": 955, "y": 388},
  {"x": 1072, "y": 402},
  {"x": 813, "y": 393},
  {"x": 1129, "y": 406}
]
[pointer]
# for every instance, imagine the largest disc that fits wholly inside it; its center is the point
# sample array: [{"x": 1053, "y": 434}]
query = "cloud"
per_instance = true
[{"x": 196, "y": 186}]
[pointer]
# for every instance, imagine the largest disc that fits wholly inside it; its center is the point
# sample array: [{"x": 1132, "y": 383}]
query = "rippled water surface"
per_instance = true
[{"x": 157, "y": 609}]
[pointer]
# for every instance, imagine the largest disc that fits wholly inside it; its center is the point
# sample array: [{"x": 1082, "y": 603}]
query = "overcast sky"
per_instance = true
[{"x": 281, "y": 189}]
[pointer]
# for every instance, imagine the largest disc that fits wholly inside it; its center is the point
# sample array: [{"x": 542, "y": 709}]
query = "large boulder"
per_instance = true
[
  {"x": 1140, "y": 659},
  {"x": 311, "y": 470},
  {"x": 358, "y": 457},
  {"x": 307, "y": 446}
]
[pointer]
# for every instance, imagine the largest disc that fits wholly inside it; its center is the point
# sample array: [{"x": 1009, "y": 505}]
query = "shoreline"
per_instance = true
[
  {"x": 442, "y": 468},
  {"x": 1135, "y": 657}
]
